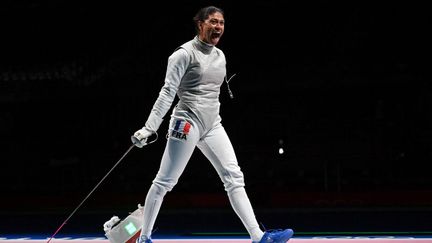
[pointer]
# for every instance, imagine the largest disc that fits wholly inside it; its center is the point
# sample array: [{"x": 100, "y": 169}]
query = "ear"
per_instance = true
[{"x": 200, "y": 23}]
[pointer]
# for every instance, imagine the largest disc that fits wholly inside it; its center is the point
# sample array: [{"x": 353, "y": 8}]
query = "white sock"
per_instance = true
[
  {"x": 152, "y": 206},
  {"x": 243, "y": 208}
]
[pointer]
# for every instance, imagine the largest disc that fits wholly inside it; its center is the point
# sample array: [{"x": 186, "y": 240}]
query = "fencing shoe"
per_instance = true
[
  {"x": 143, "y": 239},
  {"x": 276, "y": 236}
]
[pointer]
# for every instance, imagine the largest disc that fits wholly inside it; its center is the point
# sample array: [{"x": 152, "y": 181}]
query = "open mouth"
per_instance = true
[{"x": 216, "y": 35}]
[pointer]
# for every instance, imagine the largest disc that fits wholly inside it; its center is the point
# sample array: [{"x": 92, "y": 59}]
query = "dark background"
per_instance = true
[{"x": 343, "y": 88}]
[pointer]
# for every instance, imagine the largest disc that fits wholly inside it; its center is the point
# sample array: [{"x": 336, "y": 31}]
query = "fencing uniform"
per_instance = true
[{"x": 195, "y": 72}]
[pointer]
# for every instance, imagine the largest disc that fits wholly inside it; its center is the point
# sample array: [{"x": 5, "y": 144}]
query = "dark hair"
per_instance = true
[{"x": 204, "y": 13}]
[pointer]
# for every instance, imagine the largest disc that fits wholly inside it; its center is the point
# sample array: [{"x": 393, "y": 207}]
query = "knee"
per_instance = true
[
  {"x": 164, "y": 185},
  {"x": 158, "y": 189},
  {"x": 233, "y": 180}
]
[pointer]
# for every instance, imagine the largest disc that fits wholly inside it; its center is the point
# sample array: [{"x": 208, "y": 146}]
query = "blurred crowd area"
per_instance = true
[{"x": 331, "y": 106}]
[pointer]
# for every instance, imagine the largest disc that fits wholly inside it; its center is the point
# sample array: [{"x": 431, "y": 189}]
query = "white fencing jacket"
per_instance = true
[{"x": 195, "y": 72}]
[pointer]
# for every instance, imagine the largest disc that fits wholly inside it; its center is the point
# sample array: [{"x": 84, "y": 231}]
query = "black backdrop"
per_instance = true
[{"x": 343, "y": 88}]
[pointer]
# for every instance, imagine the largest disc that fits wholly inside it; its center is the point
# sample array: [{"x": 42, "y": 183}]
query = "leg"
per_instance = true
[
  {"x": 217, "y": 147},
  {"x": 179, "y": 148}
]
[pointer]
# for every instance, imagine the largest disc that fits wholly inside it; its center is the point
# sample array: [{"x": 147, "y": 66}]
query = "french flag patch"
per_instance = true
[{"x": 181, "y": 129}]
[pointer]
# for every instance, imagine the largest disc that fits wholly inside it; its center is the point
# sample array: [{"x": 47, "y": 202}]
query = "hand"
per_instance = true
[{"x": 140, "y": 137}]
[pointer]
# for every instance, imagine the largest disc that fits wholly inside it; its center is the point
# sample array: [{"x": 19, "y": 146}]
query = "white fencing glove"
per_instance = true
[{"x": 140, "y": 137}]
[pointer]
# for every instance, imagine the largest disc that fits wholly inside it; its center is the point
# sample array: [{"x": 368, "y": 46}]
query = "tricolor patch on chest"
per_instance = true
[{"x": 181, "y": 129}]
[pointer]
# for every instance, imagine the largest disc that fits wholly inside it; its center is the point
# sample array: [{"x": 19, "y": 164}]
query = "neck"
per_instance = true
[
  {"x": 203, "y": 46},
  {"x": 204, "y": 42}
]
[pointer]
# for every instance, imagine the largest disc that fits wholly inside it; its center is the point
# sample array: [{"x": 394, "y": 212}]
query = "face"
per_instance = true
[{"x": 211, "y": 30}]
